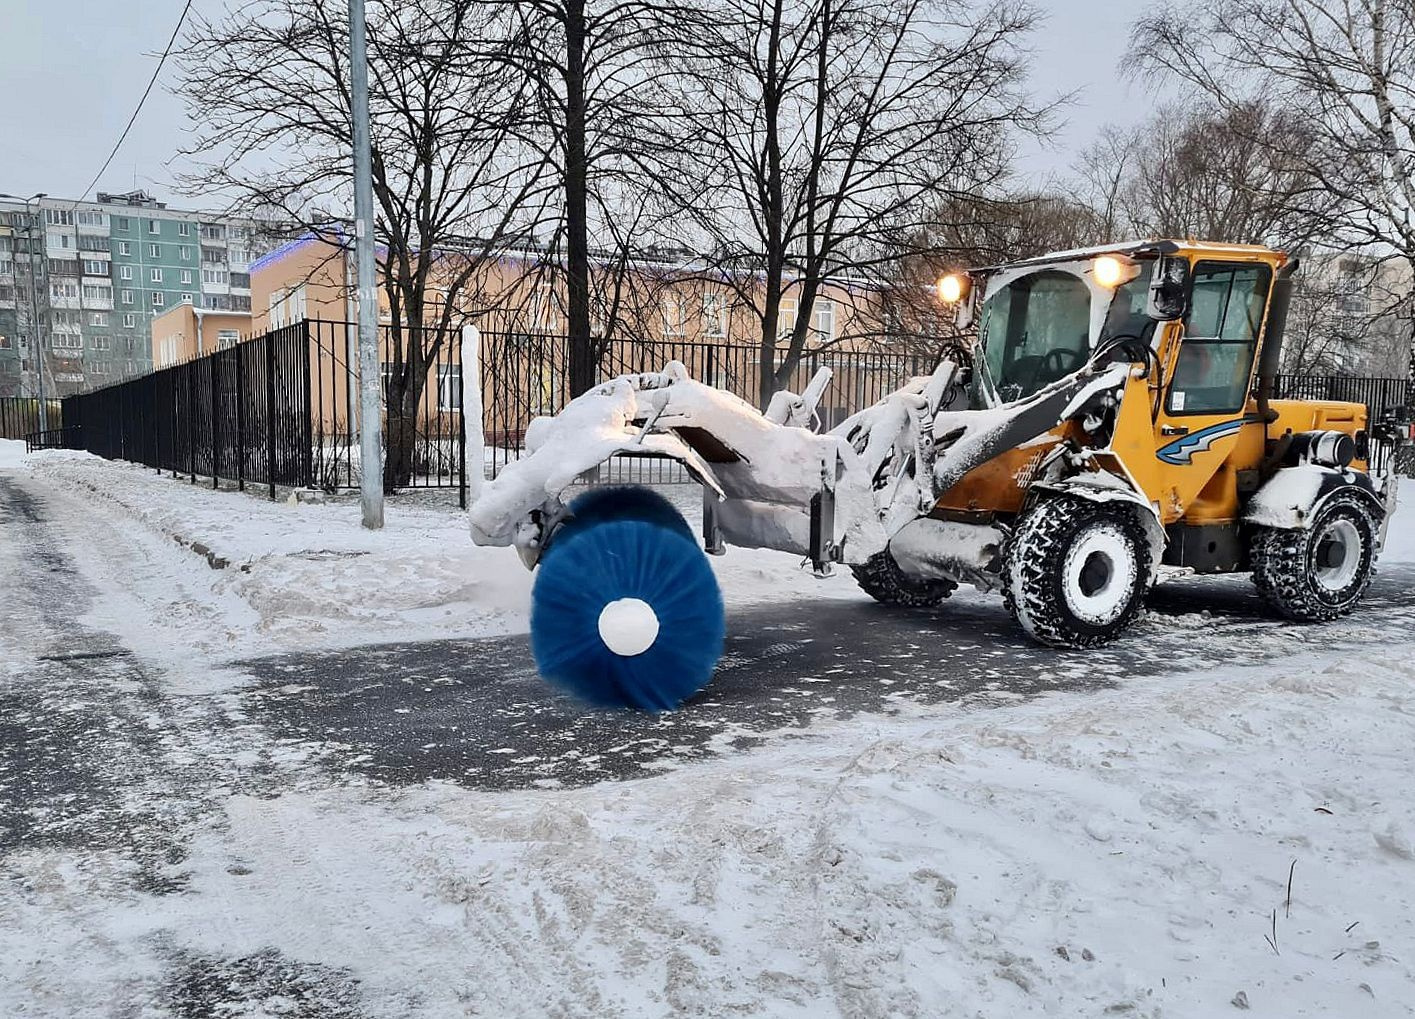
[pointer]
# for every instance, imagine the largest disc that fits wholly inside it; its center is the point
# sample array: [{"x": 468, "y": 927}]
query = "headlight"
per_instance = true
[
  {"x": 1112, "y": 270},
  {"x": 952, "y": 288}
]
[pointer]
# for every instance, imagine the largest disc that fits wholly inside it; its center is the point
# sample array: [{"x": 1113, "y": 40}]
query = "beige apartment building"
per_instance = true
[{"x": 186, "y": 331}]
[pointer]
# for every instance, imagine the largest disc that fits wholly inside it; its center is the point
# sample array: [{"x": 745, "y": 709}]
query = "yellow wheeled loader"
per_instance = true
[{"x": 1114, "y": 413}]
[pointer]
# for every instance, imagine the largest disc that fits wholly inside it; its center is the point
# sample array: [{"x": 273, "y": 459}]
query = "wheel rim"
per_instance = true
[
  {"x": 1099, "y": 575},
  {"x": 1336, "y": 556}
]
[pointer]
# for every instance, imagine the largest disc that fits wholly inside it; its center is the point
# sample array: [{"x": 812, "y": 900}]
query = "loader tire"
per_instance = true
[
  {"x": 1077, "y": 571},
  {"x": 1320, "y": 572},
  {"x": 881, "y": 578}
]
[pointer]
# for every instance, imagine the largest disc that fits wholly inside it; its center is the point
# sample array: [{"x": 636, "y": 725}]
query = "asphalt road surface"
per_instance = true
[{"x": 475, "y": 712}]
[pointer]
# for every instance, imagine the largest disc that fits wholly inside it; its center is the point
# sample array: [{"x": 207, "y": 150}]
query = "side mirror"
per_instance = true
[{"x": 1169, "y": 289}]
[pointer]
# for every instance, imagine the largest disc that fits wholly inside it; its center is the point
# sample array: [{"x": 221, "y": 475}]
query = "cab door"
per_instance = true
[{"x": 1207, "y": 407}]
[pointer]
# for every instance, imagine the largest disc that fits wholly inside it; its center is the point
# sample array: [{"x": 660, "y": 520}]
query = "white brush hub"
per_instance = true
[{"x": 628, "y": 626}]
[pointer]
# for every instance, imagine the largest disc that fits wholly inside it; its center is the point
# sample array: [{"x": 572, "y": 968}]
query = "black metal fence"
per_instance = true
[
  {"x": 242, "y": 414},
  {"x": 1377, "y": 394},
  {"x": 20, "y": 417},
  {"x": 282, "y": 409},
  {"x": 525, "y": 376}
]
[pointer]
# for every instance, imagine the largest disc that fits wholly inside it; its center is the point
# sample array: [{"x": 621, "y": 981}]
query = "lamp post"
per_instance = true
[
  {"x": 36, "y": 334},
  {"x": 370, "y": 379}
]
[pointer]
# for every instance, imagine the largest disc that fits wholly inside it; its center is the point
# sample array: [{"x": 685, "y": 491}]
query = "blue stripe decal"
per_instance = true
[{"x": 1182, "y": 450}]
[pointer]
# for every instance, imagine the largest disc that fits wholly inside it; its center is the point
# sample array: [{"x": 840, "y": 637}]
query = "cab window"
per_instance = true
[
  {"x": 1036, "y": 330},
  {"x": 1220, "y": 338}
]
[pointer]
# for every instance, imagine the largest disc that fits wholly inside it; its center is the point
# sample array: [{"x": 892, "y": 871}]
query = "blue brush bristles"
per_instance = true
[{"x": 630, "y": 548}]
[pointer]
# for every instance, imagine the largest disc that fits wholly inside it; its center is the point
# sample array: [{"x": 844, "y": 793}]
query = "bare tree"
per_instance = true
[
  {"x": 1105, "y": 175},
  {"x": 830, "y": 128},
  {"x": 595, "y": 112},
  {"x": 1346, "y": 69},
  {"x": 268, "y": 85}
]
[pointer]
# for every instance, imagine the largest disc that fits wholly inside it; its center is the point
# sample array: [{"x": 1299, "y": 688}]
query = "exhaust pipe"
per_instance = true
[{"x": 1270, "y": 359}]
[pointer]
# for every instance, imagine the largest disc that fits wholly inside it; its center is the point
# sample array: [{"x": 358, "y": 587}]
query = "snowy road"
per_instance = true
[
  {"x": 474, "y": 712},
  {"x": 868, "y": 813}
]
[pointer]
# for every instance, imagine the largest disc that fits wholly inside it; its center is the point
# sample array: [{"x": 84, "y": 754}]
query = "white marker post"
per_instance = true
[{"x": 472, "y": 414}]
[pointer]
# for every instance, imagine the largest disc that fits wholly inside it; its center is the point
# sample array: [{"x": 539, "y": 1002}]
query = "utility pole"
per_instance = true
[
  {"x": 370, "y": 377},
  {"x": 36, "y": 334}
]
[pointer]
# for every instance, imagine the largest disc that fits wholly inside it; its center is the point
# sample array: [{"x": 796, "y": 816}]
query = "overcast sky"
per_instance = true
[{"x": 71, "y": 73}]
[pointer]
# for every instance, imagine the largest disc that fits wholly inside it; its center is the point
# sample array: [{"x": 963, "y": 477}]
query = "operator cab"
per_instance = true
[{"x": 1041, "y": 320}]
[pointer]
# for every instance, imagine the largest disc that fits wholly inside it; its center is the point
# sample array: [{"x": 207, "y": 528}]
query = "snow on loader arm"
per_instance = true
[{"x": 611, "y": 571}]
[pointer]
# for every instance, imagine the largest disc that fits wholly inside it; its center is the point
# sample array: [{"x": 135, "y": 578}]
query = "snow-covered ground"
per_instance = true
[
  {"x": 1187, "y": 845},
  {"x": 295, "y": 574}
]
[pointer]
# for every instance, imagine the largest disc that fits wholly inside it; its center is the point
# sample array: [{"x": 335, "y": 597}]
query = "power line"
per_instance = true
[{"x": 145, "y": 92}]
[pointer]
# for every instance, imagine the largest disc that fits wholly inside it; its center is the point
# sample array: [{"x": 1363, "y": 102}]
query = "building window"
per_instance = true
[
  {"x": 241, "y": 279},
  {"x": 154, "y": 251},
  {"x": 216, "y": 277},
  {"x": 449, "y": 387},
  {"x": 122, "y": 223},
  {"x": 158, "y": 299},
  {"x": 156, "y": 275},
  {"x": 125, "y": 248},
  {"x": 62, "y": 290},
  {"x": 98, "y": 318},
  {"x": 154, "y": 226},
  {"x": 126, "y": 297},
  {"x": 187, "y": 276},
  {"x": 95, "y": 268},
  {"x": 184, "y": 230},
  {"x": 184, "y": 252},
  {"x": 91, "y": 218},
  {"x": 786, "y": 316},
  {"x": 125, "y": 272},
  {"x": 714, "y": 315},
  {"x": 823, "y": 320},
  {"x": 101, "y": 343},
  {"x": 130, "y": 321},
  {"x": 675, "y": 316},
  {"x": 227, "y": 338},
  {"x": 59, "y": 217},
  {"x": 93, "y": 292},
  {"x": 186, "y": 298},
  {"x": 213, "y": 231}
]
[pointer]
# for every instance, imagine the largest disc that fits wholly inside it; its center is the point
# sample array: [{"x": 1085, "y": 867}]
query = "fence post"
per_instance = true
[
  {"x": 240, "y": 417},
  {"x": 270, "y": 411},
  {"x": 307, "y": 449},
  {"x": 189, "y": 371},
  {"x": 215, "y": 418}
]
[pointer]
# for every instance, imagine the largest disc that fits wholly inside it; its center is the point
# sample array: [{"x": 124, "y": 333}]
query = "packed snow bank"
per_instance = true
[
  {"x": 1400, "y": 535},
  {"x": 306, "y": 574},
  {"x": 12, "y": 453}
]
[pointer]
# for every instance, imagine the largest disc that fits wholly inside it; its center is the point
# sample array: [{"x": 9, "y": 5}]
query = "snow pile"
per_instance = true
[
  {"x": 1400, "y": 535},
  {"x": 12, "y": 453},
  {"x": 306, "y": 574}
]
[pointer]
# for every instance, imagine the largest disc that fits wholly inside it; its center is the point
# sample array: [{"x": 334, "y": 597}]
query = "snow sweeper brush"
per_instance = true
[{"x": 625, "y": 610}]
